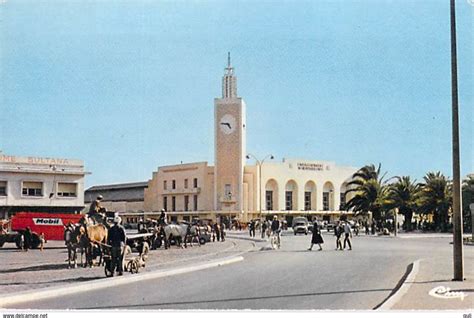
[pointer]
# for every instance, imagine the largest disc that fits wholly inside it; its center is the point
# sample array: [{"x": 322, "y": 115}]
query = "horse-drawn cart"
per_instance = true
[{"x": 131, "y": 263}]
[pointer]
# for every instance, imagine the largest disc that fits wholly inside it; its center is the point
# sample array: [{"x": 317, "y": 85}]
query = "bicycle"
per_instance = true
[{"x": 275, "y": 240}]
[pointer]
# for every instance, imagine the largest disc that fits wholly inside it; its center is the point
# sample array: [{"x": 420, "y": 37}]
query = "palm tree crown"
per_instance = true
[
  {"x": 370, "y": 191},
  {"x": 436, "y": 198},
  {"x": 404, "y": 195}
]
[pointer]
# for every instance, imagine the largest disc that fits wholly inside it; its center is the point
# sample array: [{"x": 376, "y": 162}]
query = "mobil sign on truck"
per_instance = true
[{"x": 51, "y": 224}]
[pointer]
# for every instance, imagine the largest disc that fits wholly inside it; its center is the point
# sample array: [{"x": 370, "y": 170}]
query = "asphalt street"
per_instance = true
[{"x": 289, "y": 278}]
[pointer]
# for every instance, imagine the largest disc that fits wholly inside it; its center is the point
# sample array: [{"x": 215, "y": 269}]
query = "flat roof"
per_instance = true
[{"x": 141, "y": 184}]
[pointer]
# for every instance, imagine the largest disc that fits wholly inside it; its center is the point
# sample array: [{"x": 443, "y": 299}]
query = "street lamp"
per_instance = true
[
  {"x": 457, "y": 211},
  {"x": 260, "y": 163}
]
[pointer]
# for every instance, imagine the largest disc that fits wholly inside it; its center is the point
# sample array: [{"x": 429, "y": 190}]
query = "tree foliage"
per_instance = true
[
  {"x": 436, "y": 198},
  {"x": 404, "y": 195},
  {"x": 370, "y": 192}
]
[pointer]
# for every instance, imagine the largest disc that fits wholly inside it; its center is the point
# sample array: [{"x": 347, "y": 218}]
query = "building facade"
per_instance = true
[
  {"x": 35, "y": 184},
  {"x": 232, "y": 188},
  {"x": 124, "y": 197}
]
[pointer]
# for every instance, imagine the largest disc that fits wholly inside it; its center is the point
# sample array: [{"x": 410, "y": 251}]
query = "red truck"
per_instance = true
[{"x": 51, "y": 224}]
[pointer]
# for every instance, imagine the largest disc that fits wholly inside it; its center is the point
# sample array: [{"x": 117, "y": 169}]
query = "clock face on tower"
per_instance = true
[{"x": 227, "y": 124}]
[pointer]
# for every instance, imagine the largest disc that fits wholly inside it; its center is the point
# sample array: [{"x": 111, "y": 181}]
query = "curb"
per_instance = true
[
  {"x": 402, "y": 287},
  {"x": 237, "y": 237},
  {"x": 110, "y": 282}
]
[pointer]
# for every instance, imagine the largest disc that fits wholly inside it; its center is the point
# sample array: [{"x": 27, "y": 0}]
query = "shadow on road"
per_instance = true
[
  {"x": 45, "y": 267},
  {"x": 240, "y": 299},
  {"x": 78, "y": 280}
]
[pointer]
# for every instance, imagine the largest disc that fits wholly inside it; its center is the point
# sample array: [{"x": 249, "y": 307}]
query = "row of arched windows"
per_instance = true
[{"x": 311, "y": 196}]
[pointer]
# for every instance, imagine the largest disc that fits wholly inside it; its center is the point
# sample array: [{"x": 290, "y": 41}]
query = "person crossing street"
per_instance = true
[{"x": 348, "y": 235}]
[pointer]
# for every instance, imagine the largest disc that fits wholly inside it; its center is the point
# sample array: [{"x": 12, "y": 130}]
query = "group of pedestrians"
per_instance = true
[
  {"x": 262, "y": 225},
  {"x": 218, "y": 231},
  {"x": 341, "y": 228},
  {"x": 342, "y": 232}
]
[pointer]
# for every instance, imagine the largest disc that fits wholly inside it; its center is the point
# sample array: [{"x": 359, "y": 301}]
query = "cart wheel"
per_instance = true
[
  {"x": 35, "y": 240},
  {"x": 134, "y": 267},
  {"x": 202, "y": 240},
  {"x": 145, "y": 250},
  {"x": 126, "y": 252},
  {"x": 107, "y": 268},
  {"x": 19, "y": 242}
]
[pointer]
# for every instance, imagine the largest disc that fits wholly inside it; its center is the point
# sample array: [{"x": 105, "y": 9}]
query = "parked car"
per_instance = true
[
  {"x": 310, "y": 227},
  {"x": 300, "y": 227}
]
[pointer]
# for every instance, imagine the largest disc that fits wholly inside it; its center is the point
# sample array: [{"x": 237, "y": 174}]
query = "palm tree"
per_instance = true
[
  {"x": 403, "y": 195},
  {"x": 436, "y": 198},
  {"x": 371, "y": 192}
]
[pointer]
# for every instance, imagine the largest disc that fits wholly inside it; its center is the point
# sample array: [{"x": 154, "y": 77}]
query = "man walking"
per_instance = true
[
  {"x": 116, "y": 239},
  {"x": 348, "y": 235},
  {"x": 27, "y": 237},
  {"x": 264, "y": 228},
  {"x": 222, "y": 229},
  {"x": 338, "y": 230},
  {"x": 252, "y": 228}
]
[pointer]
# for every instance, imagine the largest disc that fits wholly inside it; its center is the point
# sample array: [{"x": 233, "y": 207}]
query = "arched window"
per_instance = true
[
  {"x": 271, "y": 195},
  {"x": 328, "y": 196},
  {"x": 310, "y": 196},
  {"x": 291, "y": 196}
]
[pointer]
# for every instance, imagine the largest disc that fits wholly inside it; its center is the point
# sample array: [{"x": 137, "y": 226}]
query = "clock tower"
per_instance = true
[{"x": 229, "y": 144}]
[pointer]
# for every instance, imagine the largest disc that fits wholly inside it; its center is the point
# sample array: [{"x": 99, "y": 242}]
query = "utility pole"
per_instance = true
[{"x": 457, "y": 211}]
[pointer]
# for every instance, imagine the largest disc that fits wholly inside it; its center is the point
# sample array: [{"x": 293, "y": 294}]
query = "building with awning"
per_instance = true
[{"x": 40, "y": 184}]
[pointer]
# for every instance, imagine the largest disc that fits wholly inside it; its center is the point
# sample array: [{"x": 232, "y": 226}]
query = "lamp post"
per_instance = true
[
  {"x": 457, "y": 211},
  {"x": 260, "y": 163}
]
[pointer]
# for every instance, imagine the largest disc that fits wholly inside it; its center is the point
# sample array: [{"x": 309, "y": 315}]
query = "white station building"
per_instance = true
[{"x": 234, "y": 189}]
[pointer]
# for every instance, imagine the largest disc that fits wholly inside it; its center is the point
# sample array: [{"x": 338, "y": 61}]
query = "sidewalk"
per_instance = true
[
  {"x": 25, "y": 271},
  {"x": 434, "y": 273}
]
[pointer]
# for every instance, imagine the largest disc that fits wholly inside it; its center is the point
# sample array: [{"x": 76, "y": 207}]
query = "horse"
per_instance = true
[
  {"x": 178, "y": 231},
  {"x": 73, "y": 240},
  {"x": 192, "y": 233},
  {"x": 95, "y": 235}
]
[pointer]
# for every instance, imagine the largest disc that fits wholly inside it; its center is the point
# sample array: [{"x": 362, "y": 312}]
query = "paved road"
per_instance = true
[{"x": 290, "y": 278}]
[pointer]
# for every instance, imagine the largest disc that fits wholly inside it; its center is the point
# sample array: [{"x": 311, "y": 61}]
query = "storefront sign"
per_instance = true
[
  {"x": 310, "y": 166},
  {"x": 38, "y": 160},
  {"x": 48, "y": 221}
]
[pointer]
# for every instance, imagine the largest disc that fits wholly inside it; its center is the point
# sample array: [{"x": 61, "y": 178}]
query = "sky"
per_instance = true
[{"x": 128, "y": 86}]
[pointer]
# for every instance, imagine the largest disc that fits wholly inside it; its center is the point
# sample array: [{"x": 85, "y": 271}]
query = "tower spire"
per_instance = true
[{"x": 229, "y": 81}]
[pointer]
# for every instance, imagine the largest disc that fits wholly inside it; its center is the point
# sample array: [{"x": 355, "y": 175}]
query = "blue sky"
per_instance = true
[{"x": 128, "y": 86}]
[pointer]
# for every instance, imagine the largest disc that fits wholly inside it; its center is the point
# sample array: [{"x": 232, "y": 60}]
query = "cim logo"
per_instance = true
[
  {"x": 446, "y": 293},
  {"x": 48, "y": 221}
]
